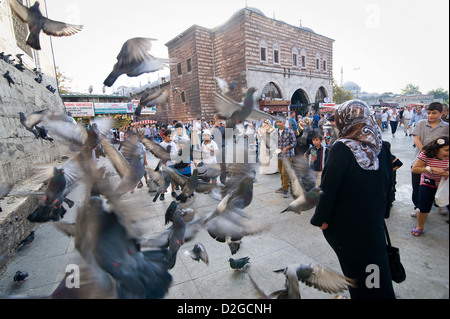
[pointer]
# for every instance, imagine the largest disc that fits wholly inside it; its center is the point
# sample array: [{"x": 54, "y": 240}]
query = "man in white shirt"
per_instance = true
[{"x": 407, "y": 115}]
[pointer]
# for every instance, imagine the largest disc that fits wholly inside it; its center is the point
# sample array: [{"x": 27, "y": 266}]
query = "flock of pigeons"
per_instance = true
[{"x": 119, "y": 261}]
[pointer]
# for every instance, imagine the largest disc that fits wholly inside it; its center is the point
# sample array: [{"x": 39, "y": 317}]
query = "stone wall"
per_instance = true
[{"x": 20, "y": 151}]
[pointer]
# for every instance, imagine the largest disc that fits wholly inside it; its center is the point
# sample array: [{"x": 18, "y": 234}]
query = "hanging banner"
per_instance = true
[
  {"x": 80, "y": 109},
  {"x": 113, "y": 108}
]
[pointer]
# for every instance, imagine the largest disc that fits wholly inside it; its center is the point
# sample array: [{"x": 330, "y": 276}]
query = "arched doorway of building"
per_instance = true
[
  {"x": 271, "y": 99},
  {"x": 271, "y": 91},
  {"x": 321, "y": 95},
  {"x": 299, "y": 102}
]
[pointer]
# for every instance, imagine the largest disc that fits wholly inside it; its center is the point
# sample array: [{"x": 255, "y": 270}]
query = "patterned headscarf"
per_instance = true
[{"x": 360, "y": 132}]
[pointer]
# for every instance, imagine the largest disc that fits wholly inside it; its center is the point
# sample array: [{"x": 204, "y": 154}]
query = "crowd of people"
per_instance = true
[{"x": 345, "y": 149}]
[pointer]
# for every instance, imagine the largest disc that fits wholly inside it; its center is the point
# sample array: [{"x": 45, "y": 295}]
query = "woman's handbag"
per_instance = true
[
  {"x": 441, "y": 196},
  {"x": 398, "y": 273}
]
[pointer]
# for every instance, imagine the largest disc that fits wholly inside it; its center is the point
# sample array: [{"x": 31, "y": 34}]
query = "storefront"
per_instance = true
[{"x": 274, "y": 106}]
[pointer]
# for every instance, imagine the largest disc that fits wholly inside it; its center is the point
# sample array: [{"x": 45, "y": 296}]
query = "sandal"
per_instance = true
[
  {"x": 140, "y": 185},
  {"x": 417, "y": 231}
]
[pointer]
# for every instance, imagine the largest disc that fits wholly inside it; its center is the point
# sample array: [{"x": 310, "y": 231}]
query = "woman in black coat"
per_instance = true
[{"x": 357, "y": 183}]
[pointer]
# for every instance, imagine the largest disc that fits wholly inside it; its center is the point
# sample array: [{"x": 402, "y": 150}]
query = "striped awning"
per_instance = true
[{"x": 143, "y": 122}]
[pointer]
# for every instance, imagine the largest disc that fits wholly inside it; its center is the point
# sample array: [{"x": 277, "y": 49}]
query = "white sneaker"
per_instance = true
[
  {"x": 443, "y": 210},
  {"x": 414, "y": 213}
]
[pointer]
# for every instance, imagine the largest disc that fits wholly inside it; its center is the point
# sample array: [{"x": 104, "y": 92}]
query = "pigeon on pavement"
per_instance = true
[
  {"x": 37, "y": 22},
  {"x": 239, "y": 263},
  {"x": 20, "y": 276},
  {"x": 27, "y": 241}
]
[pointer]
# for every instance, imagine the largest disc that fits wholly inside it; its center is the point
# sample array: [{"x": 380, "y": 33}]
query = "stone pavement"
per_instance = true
[{"x": 290, "y": 239}]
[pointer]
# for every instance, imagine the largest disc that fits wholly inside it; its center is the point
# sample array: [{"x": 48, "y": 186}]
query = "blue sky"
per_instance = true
[{"x": 392, "y": 42}]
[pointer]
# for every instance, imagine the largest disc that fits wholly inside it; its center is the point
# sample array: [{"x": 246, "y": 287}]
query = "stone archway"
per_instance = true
[
  {"x": 299, "y": 102},
  {"x": 321, "y": 94}
]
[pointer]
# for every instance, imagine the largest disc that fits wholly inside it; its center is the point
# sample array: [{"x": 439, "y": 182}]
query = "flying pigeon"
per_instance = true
[
  {"x": 175, "y": 239},
  {"x": 161, "y": 179},
  {"x": 61, "y": 182},
  {"x": 239, "y": 263},
  {"x": 107, "y": 237},
  {"x": 43, "y": 133},
  {"x": 134, "y": 60},
  {"x": 198, "y": 252},
  {"x": 20, "y": 276},
  {"x": 234, "y": 112},
  {"x": 225, "y": 88},
  {"x": 306, "y": 194},
  {"x": 314, "y": 276},
  {"x": 32, "y": 120},
  {"x": 37, "y": 22},
  {"x": 151, "y": 97},
  {"x": 130, "y": 165},
  {"x": 186, "y": 213},
  {"x": 9, "y": 78}
]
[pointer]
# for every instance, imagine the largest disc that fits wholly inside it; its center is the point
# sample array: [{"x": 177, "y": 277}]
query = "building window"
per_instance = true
[
  {"x": 263, "y": 51},
  {"x": 276, "y": 53},
  {"x": 183, "y": 96},
  {"x": 276, "y": 57},
  {"x": 294, "y": 57},
  {"x": 21, "y": 32},
  {"x": 189, "y": 65},
  {"x": 303, "y": 59},
  {"x": 179, "y": 68},
  {"x": 263, "y": 55},
  {"x": 317, "y": 62},
  {"x": 324, "y": 63}
]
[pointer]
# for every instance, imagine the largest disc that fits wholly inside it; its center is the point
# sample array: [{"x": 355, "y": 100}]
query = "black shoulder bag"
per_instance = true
[{"x": 397, "y": 270}]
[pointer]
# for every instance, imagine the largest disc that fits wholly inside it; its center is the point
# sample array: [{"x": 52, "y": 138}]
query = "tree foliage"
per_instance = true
[
  {"x": 63, "y": 81},
  {"x": 339, "y": 94},
  {"x": 411, "y": 89},
  {"x": 439, "y": 93}
]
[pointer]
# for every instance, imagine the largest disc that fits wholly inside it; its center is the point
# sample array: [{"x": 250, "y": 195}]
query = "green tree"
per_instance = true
[
  {"x": 411, "y": 89},
  {"x": 63, "y": 81},
  {"x": 439, "y": 93},
  {"x": 339, "y": 94}
]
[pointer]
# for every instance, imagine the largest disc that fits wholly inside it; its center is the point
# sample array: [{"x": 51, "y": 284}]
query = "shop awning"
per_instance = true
[
  {"x": 274, "y": 105},
  {"x": 144, "y": 122}
]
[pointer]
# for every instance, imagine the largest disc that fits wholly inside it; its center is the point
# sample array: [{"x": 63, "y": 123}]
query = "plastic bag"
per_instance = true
[{"x": 441, "y": 196}]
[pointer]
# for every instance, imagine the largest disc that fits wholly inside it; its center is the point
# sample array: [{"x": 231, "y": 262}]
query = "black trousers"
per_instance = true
[{"x": 415, "y": 181}]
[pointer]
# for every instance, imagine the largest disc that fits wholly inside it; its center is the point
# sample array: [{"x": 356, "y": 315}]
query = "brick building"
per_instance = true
[{"x": 290, "y": 66}]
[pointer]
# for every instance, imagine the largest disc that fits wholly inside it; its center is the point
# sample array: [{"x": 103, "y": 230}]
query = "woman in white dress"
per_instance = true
[{"x": 267, "y": 136}]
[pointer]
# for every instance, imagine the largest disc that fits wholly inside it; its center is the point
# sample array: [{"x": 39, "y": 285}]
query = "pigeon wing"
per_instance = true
[
  {"x": 35, "y": 117},
  {"x": 19, "y": 10},
  {"x": 328, "y": 281},
  {"x": 117, "y": 159},
  {"x": 156, "y": 149},
  {"x": 59, "y": 29},
  {"x": 296, "y": 186},
  {"x": 134, "y": 51}
]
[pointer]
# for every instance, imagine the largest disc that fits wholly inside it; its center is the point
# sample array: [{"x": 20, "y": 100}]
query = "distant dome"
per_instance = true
[
  {"x": 349, "y": 84},
  {"x": 256, "y": 10},
  {"x": 307, "y": 29}
]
